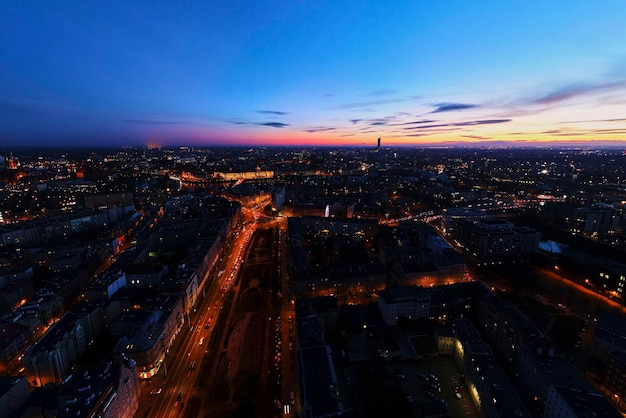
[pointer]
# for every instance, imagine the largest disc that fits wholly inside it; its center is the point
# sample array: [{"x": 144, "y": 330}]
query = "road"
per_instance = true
[{"x": 177, "y": 378}]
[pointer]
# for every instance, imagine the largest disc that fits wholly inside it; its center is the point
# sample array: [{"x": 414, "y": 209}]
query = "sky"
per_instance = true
[{"x": 265, "y": 72}]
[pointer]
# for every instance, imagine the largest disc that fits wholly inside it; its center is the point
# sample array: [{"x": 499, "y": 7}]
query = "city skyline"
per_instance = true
[{"x": 311, "y": 74}]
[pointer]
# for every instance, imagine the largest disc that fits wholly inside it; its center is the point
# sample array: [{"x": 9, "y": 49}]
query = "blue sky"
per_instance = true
[{"x": 311, "y": 72}]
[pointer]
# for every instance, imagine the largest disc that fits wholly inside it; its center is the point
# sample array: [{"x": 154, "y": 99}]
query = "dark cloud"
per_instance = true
[
  {"x": 319, "y": 129},
  {"x": 449, "y": 107},
  {"x": 609, "y": 131},
  {"x": 274, "y": 124},
  {"x": 418, "y": 122},
  {"x": 482, "y": 122},
  {"x": 568, "y": 134},
  {"x": 595, "y": 120},
  {"x": 378, "y": 123},
  {"x": 468, "y": 123},
  {"x": 157, "y": 122},
  {"x": 578, "y": 89},
  {"x": 348, "y": 135},
  {"x": 355, "y": 121},
  {"x": 482, "y": 138},
  {"x": 273, "y": 112},
  {"x": 438, "y": 125}
]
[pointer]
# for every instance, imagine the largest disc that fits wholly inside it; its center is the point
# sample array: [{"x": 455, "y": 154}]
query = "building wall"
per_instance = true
[{"x": 17, "y": 394}]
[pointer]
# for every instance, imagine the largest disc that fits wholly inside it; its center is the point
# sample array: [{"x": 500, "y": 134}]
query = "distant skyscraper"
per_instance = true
[{"x": 378, "y": 143}]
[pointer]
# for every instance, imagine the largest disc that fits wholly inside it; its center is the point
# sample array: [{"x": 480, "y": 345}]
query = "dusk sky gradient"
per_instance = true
[{"x": 311, "y": 72}]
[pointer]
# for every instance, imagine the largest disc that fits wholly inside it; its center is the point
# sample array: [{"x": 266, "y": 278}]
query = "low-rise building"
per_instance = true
[
  {"x": 110, "y": 390},
  {"x": 14, "y": 391},
  {"x": 51, "y": 359},
  {"x": 405, "y": 302}
]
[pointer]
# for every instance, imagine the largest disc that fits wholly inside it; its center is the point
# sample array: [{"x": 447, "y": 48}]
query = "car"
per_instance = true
[
  {"x": 458, "y": 388},
  {"x": 156, "y": 391},
  {"x": 278, "y": 404},
  {"x": 178, "y": 398},
  {"x": 201, "y": 341},
  {"x": 292, "y": 397},
  {"x": 458, "y": 395}
]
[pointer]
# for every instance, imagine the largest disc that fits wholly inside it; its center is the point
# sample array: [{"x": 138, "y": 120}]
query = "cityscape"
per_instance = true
[
  {"x": 313, "y": 282},
  {"x": 312, "y": 209}
]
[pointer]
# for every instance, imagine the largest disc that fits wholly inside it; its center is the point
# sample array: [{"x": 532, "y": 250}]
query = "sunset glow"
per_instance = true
[{"x": 306, "y": 73}]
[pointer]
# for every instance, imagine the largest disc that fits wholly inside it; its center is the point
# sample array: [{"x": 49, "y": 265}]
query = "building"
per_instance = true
[
  {"x": 406, "y": 302},
  {"x": 13, "y": 341},
  {"x": 599, "y": 219},
  {"x": 614, "y": 379},
  {"x": 14, "y": 391},
  {"x": 110, "y": 390},
  {"x": 106, "y": 284},
  {"x": 489, "y": 240},
  {"x": 146, "y": 337},
  {"x": 319, "y": 389},
  {"x": 552, "y": 386},
  {"x": 52, "y": 358}
]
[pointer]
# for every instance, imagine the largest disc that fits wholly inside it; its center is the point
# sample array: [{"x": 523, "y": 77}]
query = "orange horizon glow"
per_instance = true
[{"x": 289, "y": 137}]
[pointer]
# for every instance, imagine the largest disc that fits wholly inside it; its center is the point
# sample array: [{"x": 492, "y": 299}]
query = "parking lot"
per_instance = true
[
  {"x": 444, "y": 369},
  {"x": 433, "y": 379}
]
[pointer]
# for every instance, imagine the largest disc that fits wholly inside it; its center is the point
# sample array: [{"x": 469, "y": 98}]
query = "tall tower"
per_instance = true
[{"x": 378, "y": 143}]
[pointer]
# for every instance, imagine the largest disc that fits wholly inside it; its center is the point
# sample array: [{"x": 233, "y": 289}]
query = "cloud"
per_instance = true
[
  {"x": 355, "y": 121},
  {"x": 20, "y": 105},
  {"x": 578, "y": 89},
  {"x": 449, "y": 107},
  {"x": 482, "y": 138},
  {"x": 438, "y": 125},
  {"x": 378, "y": 123},
  {"x": 595, "y": 120},
  {"x": 609, "y": 131},
  {"x": 468, "y": 123},
  {"x": 417, "y": 122},
  {"x": 319, "y": 129},
  {"x": 274, "y": 124},
  {"x": 482, "y": 122},
  {"x": 372, "y": 103},
  {"x": 273, "y": 112},
  {"x": 249, "y": 123},
  {"x": 158, "y": 122},
  {"x": 381, "y": 92}
]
